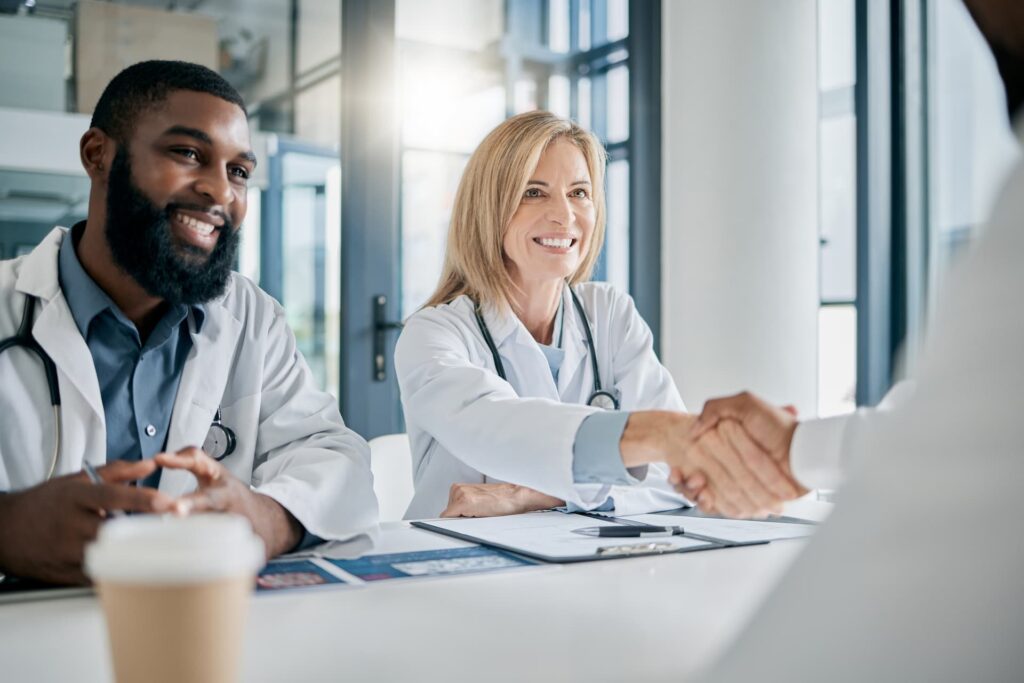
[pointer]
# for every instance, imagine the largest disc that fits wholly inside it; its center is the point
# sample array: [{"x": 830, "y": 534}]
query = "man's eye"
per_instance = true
[
  {"x": 240, "y": 172},
  {"x": 187, "y": 153}
]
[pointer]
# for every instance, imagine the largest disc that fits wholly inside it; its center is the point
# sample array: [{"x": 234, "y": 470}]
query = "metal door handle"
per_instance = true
[{"x": 381, "y": 326}]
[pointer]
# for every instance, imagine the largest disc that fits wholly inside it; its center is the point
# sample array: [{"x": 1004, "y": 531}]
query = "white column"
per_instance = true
[{"x": 740, "y": 198}]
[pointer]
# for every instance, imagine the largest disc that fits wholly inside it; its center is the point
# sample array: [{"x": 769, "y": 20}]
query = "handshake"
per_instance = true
[{"x": 732, "y": 460}]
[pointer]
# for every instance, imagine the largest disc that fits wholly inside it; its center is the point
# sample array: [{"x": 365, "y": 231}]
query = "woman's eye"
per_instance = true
[
  {"x": 532, "y": 192},
  {"x": 579, "y": 193}
]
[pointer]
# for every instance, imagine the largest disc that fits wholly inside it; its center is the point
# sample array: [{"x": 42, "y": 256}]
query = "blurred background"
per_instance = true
[{"x": 789, "y": 182}]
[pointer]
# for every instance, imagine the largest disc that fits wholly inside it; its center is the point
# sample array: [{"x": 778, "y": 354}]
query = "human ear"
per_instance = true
[{"x": 96, "y": 150}]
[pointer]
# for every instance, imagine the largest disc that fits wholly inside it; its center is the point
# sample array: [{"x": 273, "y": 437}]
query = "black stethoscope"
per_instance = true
[
  {"x": 599, "y": 397},
  {"x": 220, "y": 440},
  {"x": 25, "y": 340}
]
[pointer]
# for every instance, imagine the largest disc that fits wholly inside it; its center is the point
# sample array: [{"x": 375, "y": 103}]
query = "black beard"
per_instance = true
[{"x": 140, "y": 239}]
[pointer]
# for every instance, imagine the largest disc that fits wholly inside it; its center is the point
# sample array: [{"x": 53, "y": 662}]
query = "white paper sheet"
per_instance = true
[
  {"x": 734, "y": 530},
  {"x": 549, "y": 534}
]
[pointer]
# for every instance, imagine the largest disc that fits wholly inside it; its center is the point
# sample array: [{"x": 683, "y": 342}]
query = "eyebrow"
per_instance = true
[
  {"x": 581, "y": 181},
  {"x": 203, "y": 137}
]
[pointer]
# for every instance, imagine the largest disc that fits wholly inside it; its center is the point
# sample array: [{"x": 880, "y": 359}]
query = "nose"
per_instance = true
[
  {"x": 215, "y": 186},
  {"x": 560, "y": 211}
]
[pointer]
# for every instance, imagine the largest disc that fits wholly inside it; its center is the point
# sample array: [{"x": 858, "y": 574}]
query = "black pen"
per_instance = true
[{"x": 623, "y": 531}]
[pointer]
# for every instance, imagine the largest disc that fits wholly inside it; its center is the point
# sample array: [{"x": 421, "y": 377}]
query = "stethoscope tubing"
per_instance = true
[
  {"x": 499, "y": 367},
  {"x": 25, "y": 340}
]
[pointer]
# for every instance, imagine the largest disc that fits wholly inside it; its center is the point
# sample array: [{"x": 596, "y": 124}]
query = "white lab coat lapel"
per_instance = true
[
  {"x": 574, "y": 344},
  {"x": 525, "y": 364},
  {"x": 202, "y": 384},
  {"x": 55, "y": 330}
]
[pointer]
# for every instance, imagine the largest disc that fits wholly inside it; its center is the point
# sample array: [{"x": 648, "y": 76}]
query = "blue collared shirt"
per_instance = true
[{"x": 138, "y": 379}]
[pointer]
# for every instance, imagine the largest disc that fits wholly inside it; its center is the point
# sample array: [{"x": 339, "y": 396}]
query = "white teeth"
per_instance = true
[
  {"x": 197, "y": 225},
  {"x": 560, "y": 244}
]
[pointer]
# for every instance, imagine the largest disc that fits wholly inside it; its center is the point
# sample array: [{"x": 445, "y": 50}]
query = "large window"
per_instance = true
[
  {"x": 282, "y": 55},
  {"x": 349, "y": 207},
  {"x": 467, "y": 64},
  {"x": 837, "y": 208}
]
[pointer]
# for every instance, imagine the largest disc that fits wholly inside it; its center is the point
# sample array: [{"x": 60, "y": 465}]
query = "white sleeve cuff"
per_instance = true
[{"x": 816, "y": 453}]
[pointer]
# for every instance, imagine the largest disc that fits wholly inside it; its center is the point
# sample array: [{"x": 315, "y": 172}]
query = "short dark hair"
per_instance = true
[{"x": 147, "y": 84}]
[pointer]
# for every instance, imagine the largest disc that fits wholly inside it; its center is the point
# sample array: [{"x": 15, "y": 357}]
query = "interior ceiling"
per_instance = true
[{"x": 41, "y": 197}]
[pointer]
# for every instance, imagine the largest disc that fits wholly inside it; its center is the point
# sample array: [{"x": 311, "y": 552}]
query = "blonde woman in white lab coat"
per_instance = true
[{"x": 504, "y": 410}]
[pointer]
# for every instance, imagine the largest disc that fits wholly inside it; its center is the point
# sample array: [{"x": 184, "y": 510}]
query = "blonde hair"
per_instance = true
[{"x": 489, "y": 194}]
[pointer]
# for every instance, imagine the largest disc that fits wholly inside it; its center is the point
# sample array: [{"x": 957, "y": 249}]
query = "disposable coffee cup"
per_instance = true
[{"x": 175, "y": 594}]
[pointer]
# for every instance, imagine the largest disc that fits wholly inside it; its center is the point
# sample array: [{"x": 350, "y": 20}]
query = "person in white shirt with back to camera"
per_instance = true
[
  {"x": 524, "y": 385},
  {"x": 917, "y": 575}
]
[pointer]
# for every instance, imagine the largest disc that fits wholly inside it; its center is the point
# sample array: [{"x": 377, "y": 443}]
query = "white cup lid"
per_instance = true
[{"x": 166, "y": 549}]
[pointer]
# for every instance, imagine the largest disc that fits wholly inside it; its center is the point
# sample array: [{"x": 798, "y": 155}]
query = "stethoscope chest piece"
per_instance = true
[
  {"x": 604, "y": 400},
  {"x": 220, "y": 440}
]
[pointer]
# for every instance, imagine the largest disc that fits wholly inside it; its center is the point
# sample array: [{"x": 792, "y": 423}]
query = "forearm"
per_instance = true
[{"x": 278, "y": 528}]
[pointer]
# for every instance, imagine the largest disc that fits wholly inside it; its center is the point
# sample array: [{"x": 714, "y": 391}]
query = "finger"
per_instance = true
[
  {"x": 85, "y": 526},
  {"x": 124, "y": 471},
  {"x": 193, "y": 460},
  {"x": 691, "y": 487},
  {"x": 765, "y": 423},
  {"x": 215, "y": 499},
  {"x": 705, "y": 423},
  {"x": 750, "y": 495},
  {"x": 729, "y": 493},
  {"x": 791, "y": 409},
  {"x": 457, "y": 509},
  {"x": 706, "y": 501},
  {"x": 697, "y": 481},
  {"x": 690, "y": 494},
  {"x": 102, "y": 498},
  {"x": 734, "y": 407},
  {"x": 758, "y": 462},
  {"x": 711, "y": 503}
]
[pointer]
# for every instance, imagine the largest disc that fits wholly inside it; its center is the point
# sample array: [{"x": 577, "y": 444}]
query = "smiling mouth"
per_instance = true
[
  {"x": 200, "y": 227},
  {"x": 560, "y": 243}
]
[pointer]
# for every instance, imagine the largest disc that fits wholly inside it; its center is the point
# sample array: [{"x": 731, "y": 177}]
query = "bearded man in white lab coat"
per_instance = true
[
  {"x": 159, "y": 348},
  {"x": 919, "y": 573}
]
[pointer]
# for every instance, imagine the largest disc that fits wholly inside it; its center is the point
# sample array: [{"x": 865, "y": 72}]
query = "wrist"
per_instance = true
[
  {"x": 651, "y": 435},
  {"x": 280, "y": 529}
]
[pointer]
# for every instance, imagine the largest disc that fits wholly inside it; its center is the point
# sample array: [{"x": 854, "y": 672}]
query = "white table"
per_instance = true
[{"x": 620, "y": 620}]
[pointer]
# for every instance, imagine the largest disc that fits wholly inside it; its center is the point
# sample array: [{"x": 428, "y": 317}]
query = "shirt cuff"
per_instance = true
[
  {"x": 595, "y": 452},
  {"x": 816, "y": 453},
  {"x": 308, "y": 541}
]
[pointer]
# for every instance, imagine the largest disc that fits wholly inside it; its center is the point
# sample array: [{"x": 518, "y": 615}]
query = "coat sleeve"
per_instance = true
[
  {"x": 306, "y": 458},
  {"x": 821, "y": 450},
  {"x": 479, "y": 418},
  {"x": 644, "y": 384}
]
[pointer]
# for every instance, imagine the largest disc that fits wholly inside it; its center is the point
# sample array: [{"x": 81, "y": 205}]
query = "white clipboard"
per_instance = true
[{"x": 548, "y": 536}]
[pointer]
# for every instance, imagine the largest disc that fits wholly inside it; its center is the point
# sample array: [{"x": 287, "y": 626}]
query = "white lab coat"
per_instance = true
[
  {"x": 917, "y": 575},
  {"x": 467, "y": 425},
  {"x": 292, "y": 443}
]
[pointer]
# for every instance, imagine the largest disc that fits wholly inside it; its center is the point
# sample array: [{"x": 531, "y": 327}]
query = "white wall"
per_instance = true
[{"x": 740, "y": 241}]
